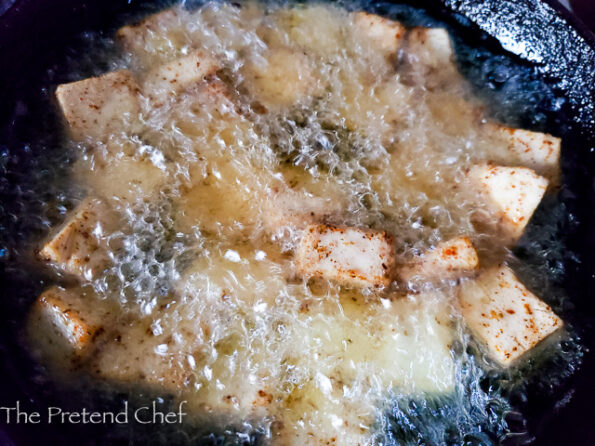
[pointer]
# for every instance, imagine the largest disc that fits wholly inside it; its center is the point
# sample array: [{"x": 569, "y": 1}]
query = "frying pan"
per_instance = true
[{"x": 534, "y": 33}]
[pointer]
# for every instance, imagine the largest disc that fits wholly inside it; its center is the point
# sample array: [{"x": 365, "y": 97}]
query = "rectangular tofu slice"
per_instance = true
[
  {"x": 176, "y": 76},
  {"x": 100, "y": 106},
  {"x": 512, "y": 194},
  {"x": 429, "y": 59},
  {"x": 288, "y": 208},
  {"x": 285, "y": 77},
  {"x": 78, "y": 247},
  {"x": 135, "y": 356},
  {"x": 164, "y": 354},
  {"x": 504, "y": 315},
  {"x": 385, "y": 34},
  {"x": 157, "y": 38},
  {"x": 123, "y": 179},
  {"x": 449, "y": 260},
  {"x": 431, "y": 46},
  {"x": 350, "y": 256},
  {"x": 59, "y": 317},
  {"x": 538, "y": 151}
]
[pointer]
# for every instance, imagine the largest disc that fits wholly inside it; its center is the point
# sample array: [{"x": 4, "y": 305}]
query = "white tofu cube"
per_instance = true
[
  {"x": 164, "y": 353},
  {"x": 78, "y": 248},
  {"x": 135, "y": 356},
  {"x": 131, "y": 34},
  {"x": 512, "y": 195},
  {"x": 100, "y": 106},
  {"x": 385, "y": 34},
  {"x": 176, "y": 76},
  {"x": 252, "y": 270},
  {"x": 283, "y": 78},
  {"x": 431, "y": 46},
  {"x": 59, "y": 317},
  {"x": 123, "y": 179},
  {"x": 292, "y": 209},
  {"x": 157, "y": 38},
  {"x": 317, "y": 28},
  {"x": 378, "y": 338},
  {"x": 213, "y": 97},
  {"x": 538, "y": 151},
  {"x": 504, "y": 315},
  {"x": 350, "y": 256},
  {"x": 449, "y": 260}
]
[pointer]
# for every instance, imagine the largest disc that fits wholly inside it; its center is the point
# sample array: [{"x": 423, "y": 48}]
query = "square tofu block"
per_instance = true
[
  {"x": 60, "y": 318},
  {"x": 431, "y": 46},
  {"x": 350, "y": 256},
  {"x": 100, "y": 106},
  {"x": 538, "y": 151},
  {"x": 449, "y": 260},
  {"x": 159, "y": 37},
  {"x": 134, "y": 357},
  {"x": 132, "y": 36},
  {"x": 284, "y": 77},
  {"x": 504, "y": 315},
  {"x": 288, "y": 208},
  {"x": 125, "y": 179},
  {"x": 164, "y": 353},
  {"x": 176, "y": 76},
  {"x": 512, "y": 194},
  {"x": 78, "y": 247},
  {"x": 385, "y": 34}
]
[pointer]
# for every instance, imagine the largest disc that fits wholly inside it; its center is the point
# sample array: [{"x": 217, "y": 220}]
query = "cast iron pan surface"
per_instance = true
[{"x": 549, "y": 56}]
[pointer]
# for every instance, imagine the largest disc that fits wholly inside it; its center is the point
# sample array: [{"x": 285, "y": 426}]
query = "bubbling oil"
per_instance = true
[{"x": 312, "y": 117}]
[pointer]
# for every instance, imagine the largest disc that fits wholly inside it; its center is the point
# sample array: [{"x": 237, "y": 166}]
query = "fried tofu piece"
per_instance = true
[
  {"x": 449, "y": 260},
  {"x": 431, "y": 46},
  {"x": 315, "y": 28},
  {"x": 297, "y": 209},
  {"x": 538, "y": 151},
  {"x": 429, "y": 57},
  {"x": 174, "y": 77},
  {"x": 123, "y": 170},
  {"x": 100, "y": 106},
  {"x": 78, "y": 248},
  {"x": 385, "y": 34},
  {"x": 259, "y": 275},
  {"x": 350, "y": 256},
  {"x": 504, "y": 315},
  {"x": 138, "y": 356},
  {"x": 405, "y": 344},
  {"x": 124, "y": 179},
  {"x": 297, "y": 199},
  {"x": 211, "y": 102},
  {"x": 164, "y": 353},
  {"x": 284, "y": 78},
  {"x": 216, "y": 204},
  {"x": 512, "y": 195},
  {"x": 61, "y": 322},
  {"x": 157, "y": 38},
  {"x": 132, "y": 35},
  {"x": 315, "y": 419}
]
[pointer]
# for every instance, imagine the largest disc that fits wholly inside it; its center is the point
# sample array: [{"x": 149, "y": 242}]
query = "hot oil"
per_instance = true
[{"x": 307, "y": 120}]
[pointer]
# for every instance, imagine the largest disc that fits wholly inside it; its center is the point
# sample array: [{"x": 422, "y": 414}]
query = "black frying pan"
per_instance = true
[{"x": 539, "y": 35}]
